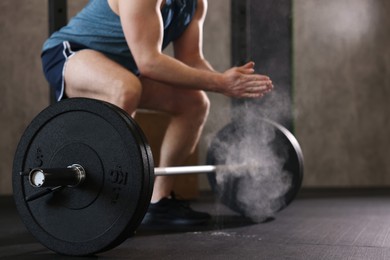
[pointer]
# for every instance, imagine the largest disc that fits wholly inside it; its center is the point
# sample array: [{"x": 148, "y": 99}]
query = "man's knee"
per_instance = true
[
  {"x": 203, "y": 103},
  {"x": 196, "y": 105}
]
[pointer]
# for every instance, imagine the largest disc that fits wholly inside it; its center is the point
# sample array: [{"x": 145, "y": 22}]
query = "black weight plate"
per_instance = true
[
  {"x": 265, "y": 168},
  {"x": 147, "y": 156},
  {"x": 104, "y": 210}
]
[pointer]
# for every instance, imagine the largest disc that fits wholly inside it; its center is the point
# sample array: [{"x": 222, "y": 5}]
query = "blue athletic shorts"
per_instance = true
[{"x": 54, "y": 62}]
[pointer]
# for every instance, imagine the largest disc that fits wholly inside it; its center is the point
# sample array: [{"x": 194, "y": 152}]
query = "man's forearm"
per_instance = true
[
  {"x": 235, "y": 82},
  {"x": 196, "y": 75},
  {"x": 200, "y": 63}
]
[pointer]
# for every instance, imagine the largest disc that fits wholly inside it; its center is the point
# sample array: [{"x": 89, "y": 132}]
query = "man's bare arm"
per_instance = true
[{"x": 143, "y": 28}]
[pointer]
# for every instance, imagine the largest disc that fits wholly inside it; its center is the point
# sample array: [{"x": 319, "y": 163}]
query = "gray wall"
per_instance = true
[
  {"x": 341, "y": 60},
  {"x": 23, "y": 89},
  {"x": 342, "y": 91}
]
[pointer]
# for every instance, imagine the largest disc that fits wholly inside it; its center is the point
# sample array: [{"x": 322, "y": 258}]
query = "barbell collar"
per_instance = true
[{"x": 71, "y": 176}]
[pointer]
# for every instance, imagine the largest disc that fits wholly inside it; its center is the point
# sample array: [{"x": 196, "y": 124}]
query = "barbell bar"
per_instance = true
[
  {"x": 182, "y": 170},
  {"x": 74, "y": 175},
  {"x": 55, "y": 179}
]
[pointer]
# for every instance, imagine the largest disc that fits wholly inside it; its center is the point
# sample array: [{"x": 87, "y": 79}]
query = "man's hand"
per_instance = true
[{"x": 242, "y": 82}]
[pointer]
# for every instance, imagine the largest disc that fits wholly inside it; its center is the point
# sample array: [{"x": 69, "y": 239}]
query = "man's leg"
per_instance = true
[
  {"x": 91, "y": 74},
  {"x": 188, "y": 110}
]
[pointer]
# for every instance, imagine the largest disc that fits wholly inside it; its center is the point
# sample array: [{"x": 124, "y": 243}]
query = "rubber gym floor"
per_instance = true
[{"x": 326, "y": 224}]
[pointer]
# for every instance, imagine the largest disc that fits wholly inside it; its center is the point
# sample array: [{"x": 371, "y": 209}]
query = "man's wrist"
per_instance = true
[{"x": 216, "y": 82}]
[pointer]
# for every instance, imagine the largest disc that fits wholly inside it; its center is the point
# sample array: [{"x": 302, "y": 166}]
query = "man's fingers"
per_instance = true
[
  {"x": 258, "y": 88},
  {"x": 249, "y": 65},
  {"x": 248, "y": 68},
  {"x": 257, "y": 77},
  {"x": 257, "y": 80},
  {"x": 253, "y": 95},
  {"x": 246, "y": 83}
]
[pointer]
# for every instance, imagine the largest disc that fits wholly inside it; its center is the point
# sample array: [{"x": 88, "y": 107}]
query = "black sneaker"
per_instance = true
[{"x": 173, "y": 212}]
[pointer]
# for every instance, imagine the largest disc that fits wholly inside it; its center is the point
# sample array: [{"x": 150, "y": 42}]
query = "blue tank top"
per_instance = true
[{"x": 97, "y": 27}]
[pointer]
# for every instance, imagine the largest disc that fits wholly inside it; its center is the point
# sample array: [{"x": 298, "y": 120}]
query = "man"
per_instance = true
[{"x": 112, "y": 51}]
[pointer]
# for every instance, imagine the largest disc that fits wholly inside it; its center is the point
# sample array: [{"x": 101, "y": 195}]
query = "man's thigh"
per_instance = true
[{"x": 91, "y": 74}]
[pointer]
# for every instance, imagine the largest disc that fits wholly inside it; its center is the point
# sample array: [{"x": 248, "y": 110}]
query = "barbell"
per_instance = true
[{"x": 83, "y": 173}]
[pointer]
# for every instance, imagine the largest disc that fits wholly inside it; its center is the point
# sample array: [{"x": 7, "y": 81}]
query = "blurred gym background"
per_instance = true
[{"x": 340, "y": 74}]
